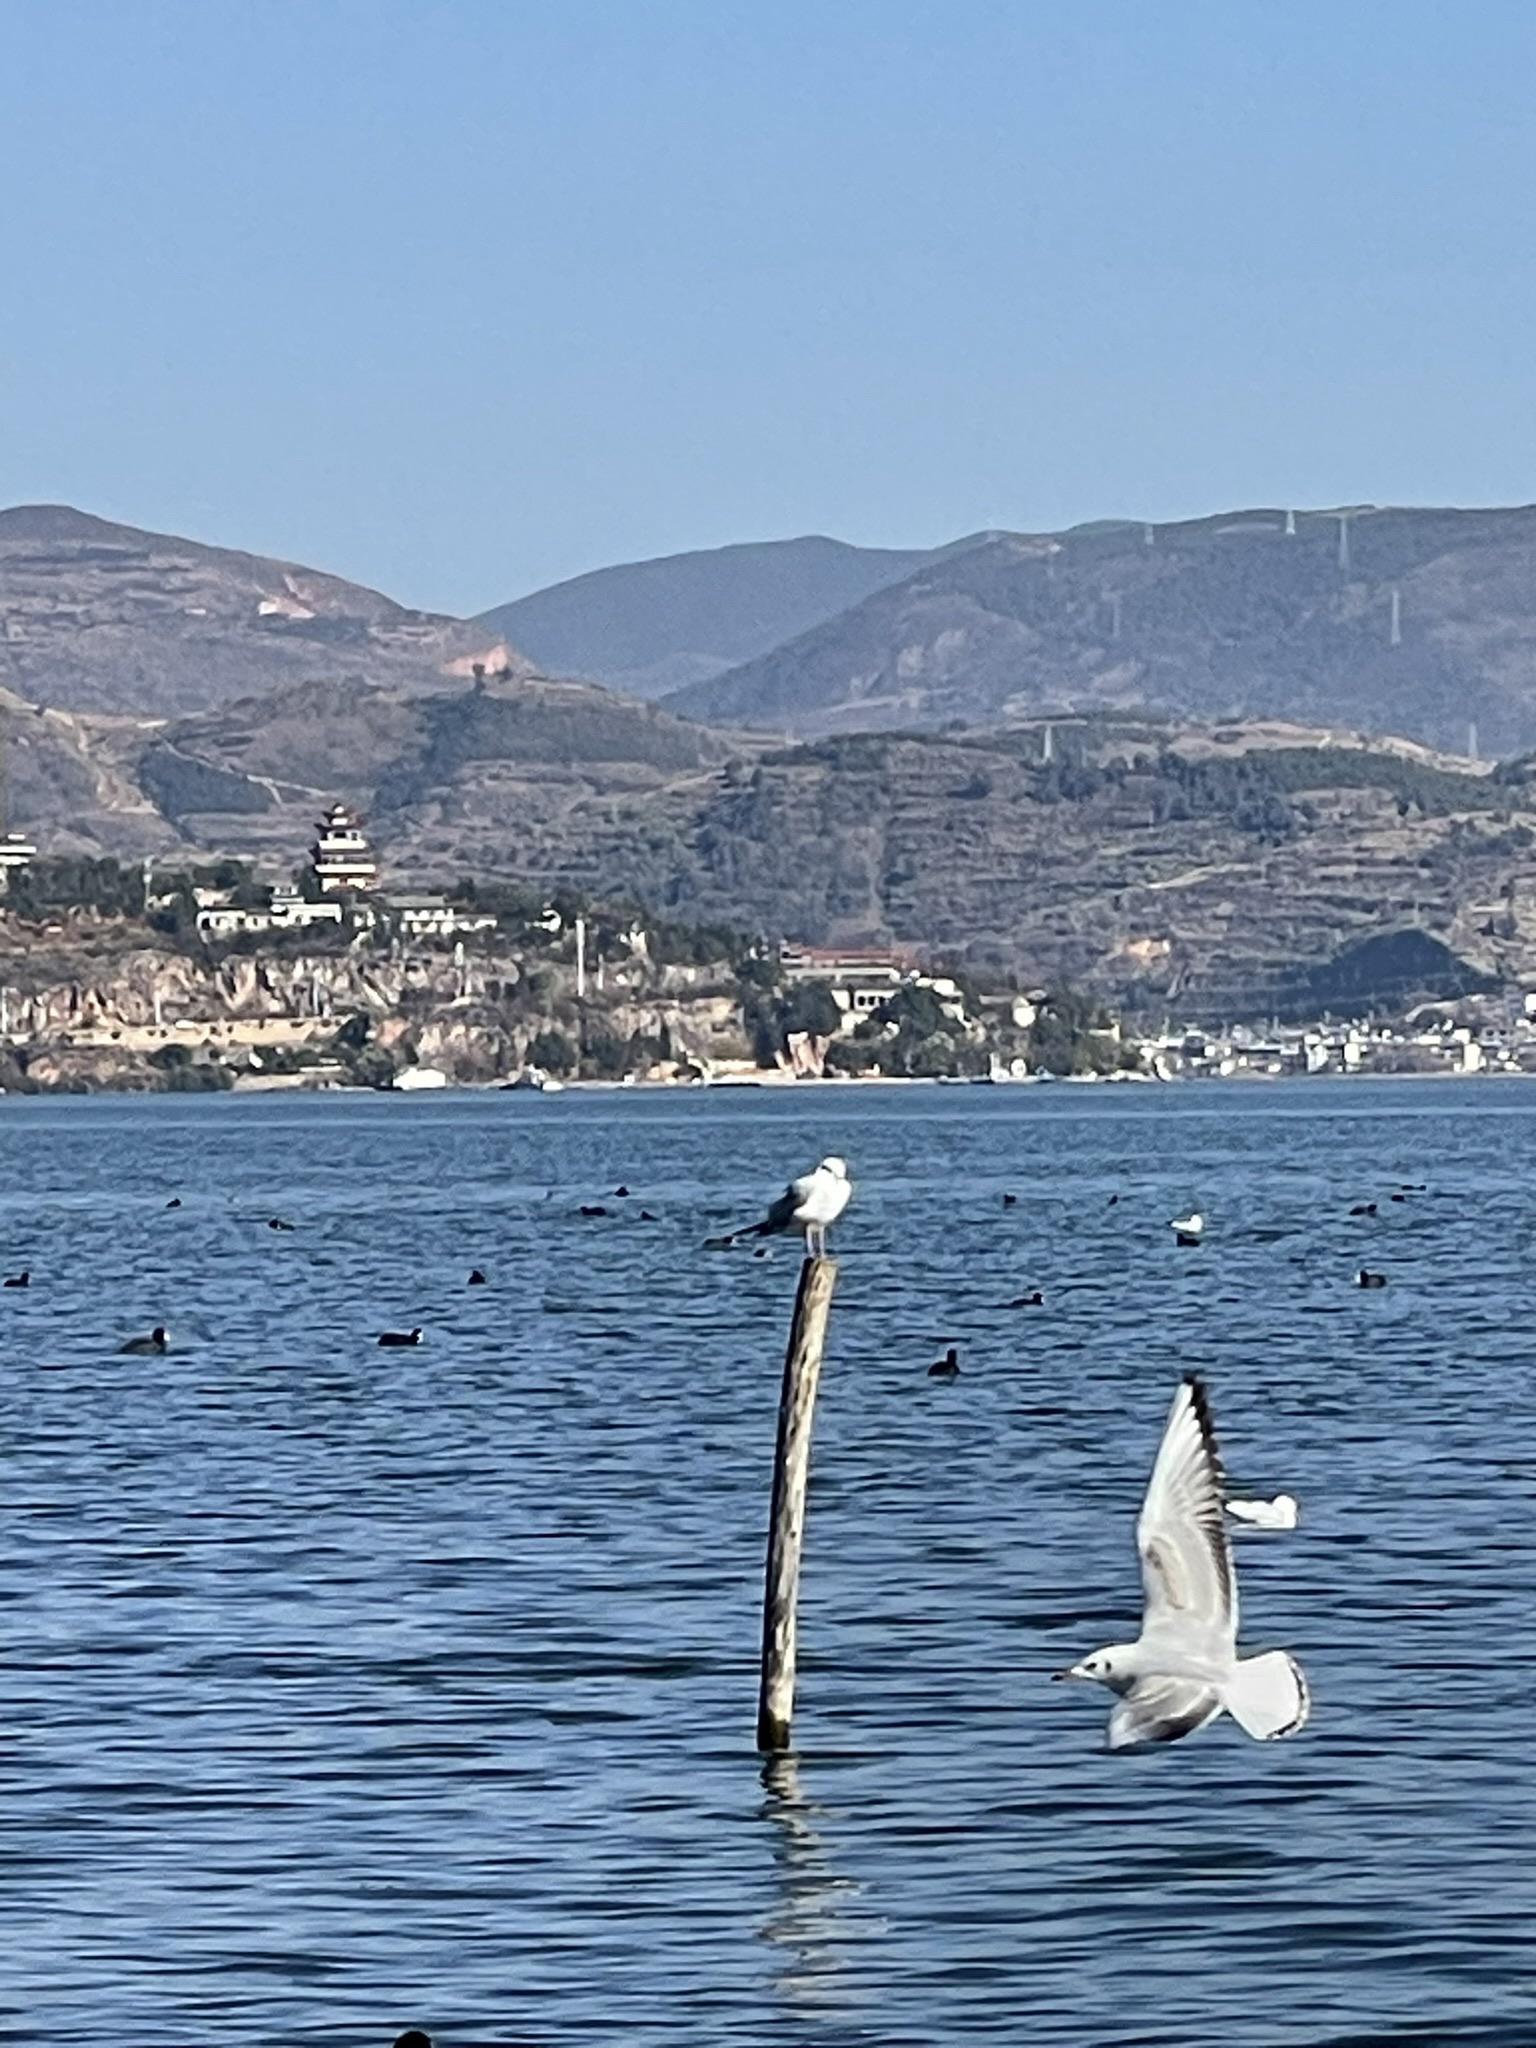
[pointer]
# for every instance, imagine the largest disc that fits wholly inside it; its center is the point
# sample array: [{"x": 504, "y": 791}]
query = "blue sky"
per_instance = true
[{"x": 458, "y": 297}]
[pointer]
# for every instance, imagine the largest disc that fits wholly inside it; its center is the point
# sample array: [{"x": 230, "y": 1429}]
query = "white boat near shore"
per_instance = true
[{"x": 411, "y": 1078}]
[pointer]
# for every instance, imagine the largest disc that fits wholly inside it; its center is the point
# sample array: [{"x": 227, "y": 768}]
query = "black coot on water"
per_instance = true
[{"x": 157, "y": 1341}]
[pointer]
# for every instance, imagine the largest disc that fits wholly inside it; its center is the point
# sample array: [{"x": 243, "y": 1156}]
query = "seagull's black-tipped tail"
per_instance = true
[{"x": 1268, "y": 1696}]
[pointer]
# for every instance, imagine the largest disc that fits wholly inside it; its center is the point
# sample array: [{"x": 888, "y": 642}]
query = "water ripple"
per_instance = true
[{"x": 351, "y": 1689}]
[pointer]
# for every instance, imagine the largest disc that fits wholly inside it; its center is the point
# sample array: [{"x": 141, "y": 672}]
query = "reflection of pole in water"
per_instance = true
[{"x": 805, "y": 1921}]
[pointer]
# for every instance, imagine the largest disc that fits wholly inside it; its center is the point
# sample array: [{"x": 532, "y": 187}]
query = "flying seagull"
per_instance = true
[
  {"x": 811, "y": 1205},
  {"x": 1184, "y": 1667},
  {"x": 1283, "y": 1512}
]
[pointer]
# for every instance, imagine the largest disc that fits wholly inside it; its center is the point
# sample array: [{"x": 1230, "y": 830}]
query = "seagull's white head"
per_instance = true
[
  {"x": 838, "y": 1168},
  {"x": 1111, "y": 1666}
]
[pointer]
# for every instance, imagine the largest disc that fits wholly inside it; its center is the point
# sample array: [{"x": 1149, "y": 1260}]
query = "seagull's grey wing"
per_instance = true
[
  {"x": 1186, "y": 1556},
  {"x": 782, "y": 1214},
  {"x": 1161, "y": 1710}
]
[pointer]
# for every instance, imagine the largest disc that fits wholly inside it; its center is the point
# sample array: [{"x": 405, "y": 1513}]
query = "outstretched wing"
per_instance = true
[
  {"x": 1161, "y": 1710},
  {"x": 1186, "y": 1558}
]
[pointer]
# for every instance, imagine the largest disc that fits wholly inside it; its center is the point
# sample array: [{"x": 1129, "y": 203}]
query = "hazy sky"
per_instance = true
[{"x": 458, "y": 297}]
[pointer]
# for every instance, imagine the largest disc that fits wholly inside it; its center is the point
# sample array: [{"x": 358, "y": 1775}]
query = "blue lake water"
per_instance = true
[{"x": 345, "y": 1690}]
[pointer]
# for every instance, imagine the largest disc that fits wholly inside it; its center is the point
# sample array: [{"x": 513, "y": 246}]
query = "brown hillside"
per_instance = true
[
  {"x": 100, "y": 617},
  {"x": 1419, "y": 622}
]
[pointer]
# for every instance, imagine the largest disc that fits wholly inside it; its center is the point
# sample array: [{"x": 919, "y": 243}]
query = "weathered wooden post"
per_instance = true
[{"x": 786, "y": 1521}]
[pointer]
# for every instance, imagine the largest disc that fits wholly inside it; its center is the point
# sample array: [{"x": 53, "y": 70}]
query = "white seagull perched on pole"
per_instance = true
[
  {"x": 811, "y": 1205},
  {"x": 1184, "y": 1669}
]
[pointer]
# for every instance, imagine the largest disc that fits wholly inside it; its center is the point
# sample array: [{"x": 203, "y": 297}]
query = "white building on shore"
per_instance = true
[
  {"x": 286, "y": 910},
  {"x": 434, "y": 917}
]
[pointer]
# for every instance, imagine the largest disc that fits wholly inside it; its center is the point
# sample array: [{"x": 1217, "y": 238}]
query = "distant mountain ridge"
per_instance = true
[
  {"x": 95, "y": 616},
  {"x": 1393, "y": 620},
  {"x": 654, "y": 626},
  {"x": 1416, "y": 621}
]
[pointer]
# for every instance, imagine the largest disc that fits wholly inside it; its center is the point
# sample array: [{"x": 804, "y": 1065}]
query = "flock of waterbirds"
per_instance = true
[
  {"x": 1183, "y": 1668},
  {"x": 1189, "y": 1233},
  {"x": 809, "y": 1205}
]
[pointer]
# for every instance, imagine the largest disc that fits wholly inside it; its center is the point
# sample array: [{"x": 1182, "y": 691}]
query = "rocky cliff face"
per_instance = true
[{"x": 93, "y": 1003}]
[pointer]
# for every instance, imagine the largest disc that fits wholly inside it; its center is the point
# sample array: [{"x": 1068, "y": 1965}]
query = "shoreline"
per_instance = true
[{"x": 775, "y": 1083}]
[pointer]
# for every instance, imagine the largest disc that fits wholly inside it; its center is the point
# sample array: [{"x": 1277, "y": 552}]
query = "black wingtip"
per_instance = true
[{"x": 1200, "y": 1401}]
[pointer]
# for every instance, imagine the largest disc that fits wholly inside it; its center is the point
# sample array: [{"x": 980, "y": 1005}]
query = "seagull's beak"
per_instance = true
[{"x": 1072, "y": 1671}]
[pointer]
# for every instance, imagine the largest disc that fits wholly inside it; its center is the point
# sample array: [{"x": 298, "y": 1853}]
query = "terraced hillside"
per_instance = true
[
  {"x": 1159, "y": 867},
  {"x": 1215, "y": 870},
  {"x": 1212, "y": 869}
]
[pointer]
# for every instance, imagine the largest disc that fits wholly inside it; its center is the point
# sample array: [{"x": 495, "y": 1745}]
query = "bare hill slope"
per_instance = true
[
  {"x": 649, "y": 627},
  {"x": 1419, "y": 622},
  {"x": 100, "y": 617}
]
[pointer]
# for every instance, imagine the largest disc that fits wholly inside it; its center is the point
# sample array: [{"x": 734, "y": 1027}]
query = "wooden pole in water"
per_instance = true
[{"x": 786, "y": 1523}]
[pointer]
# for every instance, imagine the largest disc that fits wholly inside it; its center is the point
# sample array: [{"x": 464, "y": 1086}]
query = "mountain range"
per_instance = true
[
  {"x": 650, "y": 627},
  {"x": 1416, "y": 622},
  {"x": 1153, "y": 760}
]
